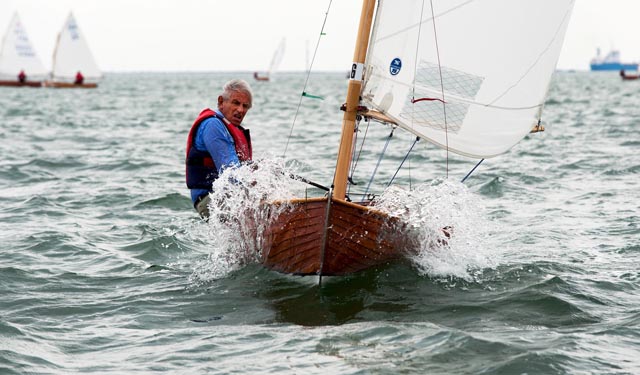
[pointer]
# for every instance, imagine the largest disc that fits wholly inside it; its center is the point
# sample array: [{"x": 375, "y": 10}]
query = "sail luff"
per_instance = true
[{"x": 353, "y": 100}]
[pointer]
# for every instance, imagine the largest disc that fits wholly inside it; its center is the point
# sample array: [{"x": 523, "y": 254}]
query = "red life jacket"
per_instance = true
[{"x": 201, "y": 171}]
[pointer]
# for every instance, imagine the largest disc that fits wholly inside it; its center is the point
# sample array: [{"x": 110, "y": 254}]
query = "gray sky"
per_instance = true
[{"x": 216, "y": 35}]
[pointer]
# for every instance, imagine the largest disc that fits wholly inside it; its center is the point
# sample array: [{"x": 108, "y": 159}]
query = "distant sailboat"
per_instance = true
[
  {"x": 72, "y": 56},
  {"x": 275, "y": 63},
  {"x": 17, "y": 55}
]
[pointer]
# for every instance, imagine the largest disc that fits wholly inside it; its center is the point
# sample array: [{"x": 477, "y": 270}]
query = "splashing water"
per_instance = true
[
  {"x": 238, "y": 215},
  {"x": 430, "y": 208}
]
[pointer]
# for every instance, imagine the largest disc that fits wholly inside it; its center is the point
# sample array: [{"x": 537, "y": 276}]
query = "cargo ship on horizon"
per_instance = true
[{"x": 611, "y": 61}]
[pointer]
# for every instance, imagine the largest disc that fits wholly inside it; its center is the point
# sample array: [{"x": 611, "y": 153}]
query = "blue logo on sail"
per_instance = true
[{"x": 396, "y": 65}]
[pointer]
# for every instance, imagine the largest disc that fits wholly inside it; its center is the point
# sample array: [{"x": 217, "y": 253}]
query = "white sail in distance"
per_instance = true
[
  {"x": 278, "y": 54},
  {"x": 72, "y": 55},
  {"x": 17, "y": 53},
  {"x": 467, "y": 75}
]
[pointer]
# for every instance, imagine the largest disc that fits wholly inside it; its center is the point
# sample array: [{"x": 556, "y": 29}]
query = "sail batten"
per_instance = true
[{"x": 489, "y": 62}]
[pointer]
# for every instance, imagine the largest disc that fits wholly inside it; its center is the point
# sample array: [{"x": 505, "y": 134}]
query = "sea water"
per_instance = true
[{"x": 106, "y": 268}]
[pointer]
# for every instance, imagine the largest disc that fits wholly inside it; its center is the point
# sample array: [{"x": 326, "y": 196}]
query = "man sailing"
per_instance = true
[{"x": 218, "y": 141}]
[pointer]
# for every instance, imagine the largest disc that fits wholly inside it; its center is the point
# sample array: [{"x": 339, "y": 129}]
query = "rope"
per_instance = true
[
  {"x": 427, "y": 99},
  {"x": 444, "y": 107},
  {"x": 357, "y": 158},
  {"x": 403, "y": 160},
  {"x": 378, "y": 164},
  {"x": 306, "y": 81},
  {"x": 413, "y": 95},
  {"x": 353, "y": 152}
]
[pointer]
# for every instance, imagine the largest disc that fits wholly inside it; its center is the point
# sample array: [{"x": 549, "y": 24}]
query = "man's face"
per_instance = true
[{"x": 235, "y": 108}]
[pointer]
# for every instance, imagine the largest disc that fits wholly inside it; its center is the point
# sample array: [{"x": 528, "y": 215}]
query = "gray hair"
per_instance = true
[{"x": 237, "y": 85}]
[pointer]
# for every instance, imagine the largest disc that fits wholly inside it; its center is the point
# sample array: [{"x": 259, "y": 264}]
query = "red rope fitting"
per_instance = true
[{"x": 427, "y": 99}]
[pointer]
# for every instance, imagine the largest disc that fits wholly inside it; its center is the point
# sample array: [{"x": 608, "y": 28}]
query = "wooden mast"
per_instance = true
[{"x": 353, "y": 100}]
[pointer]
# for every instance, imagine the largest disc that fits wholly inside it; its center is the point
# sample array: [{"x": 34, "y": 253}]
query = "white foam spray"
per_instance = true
[
  {"x": 238, "y": 216},
  {"x": 430, "y": 210},
  {"x": 238, "y": 219}
]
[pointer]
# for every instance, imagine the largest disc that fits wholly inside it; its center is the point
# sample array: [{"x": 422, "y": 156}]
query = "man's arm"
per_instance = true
[{"x": 219, "y": 143}]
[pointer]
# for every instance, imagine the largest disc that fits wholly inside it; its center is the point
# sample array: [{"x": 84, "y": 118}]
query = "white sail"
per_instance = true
[
  {"x": 72, "y": 55},
  {"x": 18, "y": 54},
  {"x": 277, "y": 58},
  {"x": 473, "y": 78}
]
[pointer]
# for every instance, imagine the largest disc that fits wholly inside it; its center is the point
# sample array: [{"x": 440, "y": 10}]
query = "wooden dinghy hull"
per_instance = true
[
  {"x": 356, "y": 238},
  {"x": 68, "y": 85},
  {"x": 21, "y": 84}
]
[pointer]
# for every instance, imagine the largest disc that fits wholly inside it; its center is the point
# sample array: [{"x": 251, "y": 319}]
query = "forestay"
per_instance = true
[
  {"x": 473, "y": 78},
  {"x": 18, "y": 54},
  {"x": 72, "y": 54}
]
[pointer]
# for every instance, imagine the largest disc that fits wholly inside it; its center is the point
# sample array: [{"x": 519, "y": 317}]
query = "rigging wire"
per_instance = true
[
  {"x": 444, "y": 106},
  {"x": 353, "y": 152},
  {"x": 375, "y": 170},
  {"x": 413, "y": 95},
  {"x": 306, "y": 81},
  {"x": 410, "y": 179},
  {"x": 357, "y": 158},
  {"x": 471, "y": 171},
  {"x": 402, "y": 162}
]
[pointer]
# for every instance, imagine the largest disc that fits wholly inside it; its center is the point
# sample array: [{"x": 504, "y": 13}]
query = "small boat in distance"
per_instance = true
[
  {"x": 19, "y": 63},
  {"x": 275, "y": 63},
  {"x": 73, "y": 63},
  {"x": 628, "y": 77},
  {"x": 611, "y": 61},
  {"x": 258, "y": 77}
]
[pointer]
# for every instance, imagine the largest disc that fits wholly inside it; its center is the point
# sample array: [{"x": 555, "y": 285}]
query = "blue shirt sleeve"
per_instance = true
[{"x": 215, "y": 138}]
